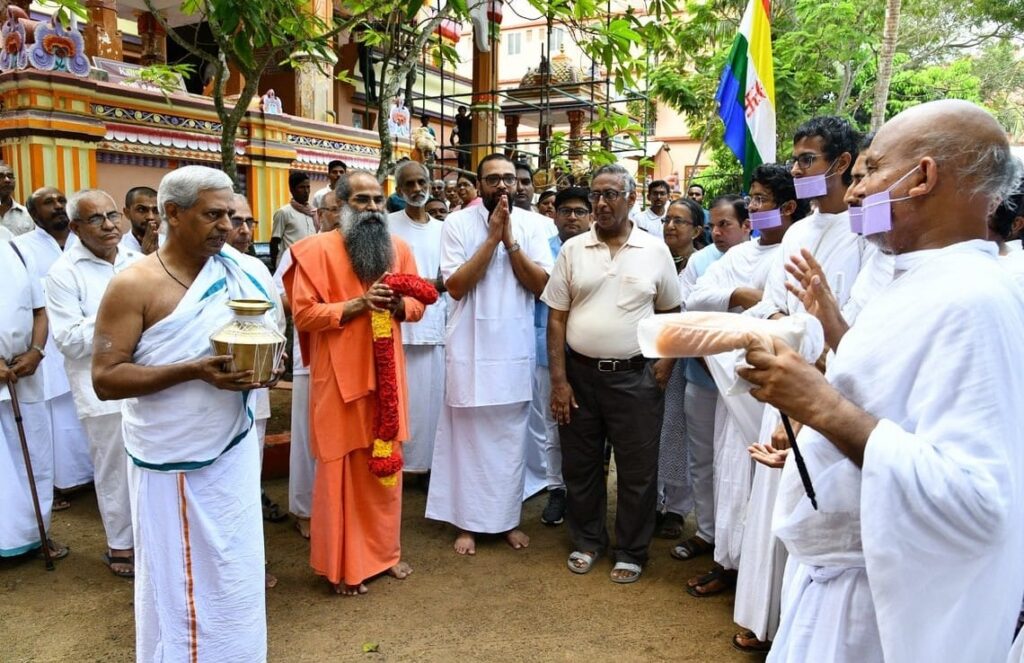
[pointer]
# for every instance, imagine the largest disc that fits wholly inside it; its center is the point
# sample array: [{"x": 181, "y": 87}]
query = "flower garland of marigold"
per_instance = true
[{"x": 385, "y": 458}]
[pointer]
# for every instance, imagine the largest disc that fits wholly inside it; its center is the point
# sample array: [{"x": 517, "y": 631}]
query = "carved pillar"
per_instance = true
[
  {"x": 314, "y": 88},
  {"x": 101, "y": 35},
  {"x": 484, "y": 108},
  {"x": 575, "y": 132},
  {"x": 511, "y": 136},
  {"x": 154, "y": 40}
]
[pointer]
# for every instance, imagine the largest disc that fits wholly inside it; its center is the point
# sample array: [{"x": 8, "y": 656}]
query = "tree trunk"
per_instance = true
[{"x": 889, "y": 37}]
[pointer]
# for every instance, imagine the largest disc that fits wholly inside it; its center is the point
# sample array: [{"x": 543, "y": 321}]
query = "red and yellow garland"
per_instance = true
[{"x": 386, "y": 459}]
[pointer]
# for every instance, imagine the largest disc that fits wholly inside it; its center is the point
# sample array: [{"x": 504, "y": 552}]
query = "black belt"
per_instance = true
[{"x": 636, "y": 363}]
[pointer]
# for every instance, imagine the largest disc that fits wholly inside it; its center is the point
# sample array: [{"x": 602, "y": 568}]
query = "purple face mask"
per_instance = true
[
  {"x": 877, "y": 208},
  {"x": 766, "y": 220},
  {"x": 813, "y": 186},
  {"x": 857, "y": 220}
]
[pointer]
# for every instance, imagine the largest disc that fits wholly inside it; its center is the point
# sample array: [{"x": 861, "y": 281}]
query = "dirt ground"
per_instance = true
[{"x": 501, "y": 605}]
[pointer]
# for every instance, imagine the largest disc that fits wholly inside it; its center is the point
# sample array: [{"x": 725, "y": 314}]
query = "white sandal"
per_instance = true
[{"x": 626, "y": 566}]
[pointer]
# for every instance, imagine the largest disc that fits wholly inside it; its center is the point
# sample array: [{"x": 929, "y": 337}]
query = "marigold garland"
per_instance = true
[{"x": 385, "y": 458}]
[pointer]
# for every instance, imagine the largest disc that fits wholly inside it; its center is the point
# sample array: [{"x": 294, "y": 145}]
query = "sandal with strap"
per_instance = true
[
  {"x": 726, "y": 579},
  {"x": 586, "y": 558},
  {"x": 634, "y": 572},
  {"x": 126, "y": 560},
  {"x": 691, "y": 548},
  {"x": 758, "y": 646}
]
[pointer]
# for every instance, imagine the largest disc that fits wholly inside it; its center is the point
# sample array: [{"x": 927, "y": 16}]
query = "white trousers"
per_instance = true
[
  {"x": 301, "y": 464},
  {"x": 699, "y": 405},
  {"x": 19, "y": 531},
  {"x": 543, "y": 450},
  {"x": 72, "y": 465},
  {"x": 106, "y": 446},
  {"x": 424, "y": 369}
]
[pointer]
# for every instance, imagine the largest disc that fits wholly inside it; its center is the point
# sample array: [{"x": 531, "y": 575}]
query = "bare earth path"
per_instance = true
[{"x": 500, "y": 605}]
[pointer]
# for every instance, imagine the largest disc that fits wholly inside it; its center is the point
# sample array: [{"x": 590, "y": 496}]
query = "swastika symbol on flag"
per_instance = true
[{"x": 755, "y": 95}]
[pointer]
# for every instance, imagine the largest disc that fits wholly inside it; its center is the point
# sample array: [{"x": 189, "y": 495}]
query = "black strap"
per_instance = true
[{"x": 20, "y": 257}]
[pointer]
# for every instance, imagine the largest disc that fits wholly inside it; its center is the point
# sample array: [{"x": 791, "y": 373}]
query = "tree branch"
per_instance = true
[{"x": 178, "y": 39}]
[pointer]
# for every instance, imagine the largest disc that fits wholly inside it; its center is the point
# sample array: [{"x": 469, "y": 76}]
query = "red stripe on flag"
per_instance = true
[{"x": 767, "y": 9}]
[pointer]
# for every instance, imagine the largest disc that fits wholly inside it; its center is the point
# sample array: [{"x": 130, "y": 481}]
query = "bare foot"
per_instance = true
[
  {"x": 271, "y": 579},
  {"x": 400, "y": 571},
  {"x": 350, "y": 590},
  {"x": 465, "y": 543},
  {"x": 517, "y": 539},
  {"x": 302, "y": 525}
]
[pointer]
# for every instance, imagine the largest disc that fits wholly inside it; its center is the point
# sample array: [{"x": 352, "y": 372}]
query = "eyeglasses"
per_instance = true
[
  {"x": 761, "y": 201},
  {"x": 332, "y": 210},
  {"x": 677, "y": 221},
  {"x": 578, "y": 212},
  {"x": 495, "y": 180},
  {"x": 98, "y": 219},
  {"x": 366, "y": 199},
  {"x": 807, "y": 159},
  {"x": 237, "y": 223},
  {"x": 609, "y": 195}
]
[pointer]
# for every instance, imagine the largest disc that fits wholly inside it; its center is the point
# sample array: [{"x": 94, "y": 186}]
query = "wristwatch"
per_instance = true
[
  {"x": 38, "y": 348},
  {"x": 512, "y": 249}
]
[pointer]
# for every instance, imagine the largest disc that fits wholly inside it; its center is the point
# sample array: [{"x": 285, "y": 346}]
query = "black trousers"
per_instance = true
[{"x": 625, "y": 408}]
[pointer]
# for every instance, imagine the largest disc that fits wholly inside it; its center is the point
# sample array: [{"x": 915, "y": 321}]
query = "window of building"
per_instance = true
[
  {"x": 515, "y": 43},
  {"x": 556, "y": 40},
  {"x": 529, "y": 36}
]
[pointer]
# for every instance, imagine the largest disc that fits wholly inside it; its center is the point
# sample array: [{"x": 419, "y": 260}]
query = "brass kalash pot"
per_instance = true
[{"x": 253, "y": 344}]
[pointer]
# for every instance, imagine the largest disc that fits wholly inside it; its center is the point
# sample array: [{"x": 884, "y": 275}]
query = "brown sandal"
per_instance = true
[{"x": 759, "y": 646}]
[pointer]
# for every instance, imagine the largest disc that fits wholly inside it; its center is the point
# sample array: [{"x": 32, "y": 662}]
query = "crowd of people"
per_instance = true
[{"x": 897, "y": 253}]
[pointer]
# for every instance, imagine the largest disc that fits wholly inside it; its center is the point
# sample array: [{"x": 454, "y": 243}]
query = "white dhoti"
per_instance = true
[
  {"x": 301, "y": 465},
  {"x": 477, "y": 472},
  {"x": 424, "y": 370},
  {"x": 72, "y": 465},
  {"x": 762, "y": 555},
  {"x": 19, "y": 531},
  {"x": 106, "y": 446},
  {"x": 199, "y": 583},
  {"x": 539, "y": 445},
  {"x": 699, "y": 405}
]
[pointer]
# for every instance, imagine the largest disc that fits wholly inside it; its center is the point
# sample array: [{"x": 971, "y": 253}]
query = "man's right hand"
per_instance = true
[
  {"x": 498, "y": 220},
  {"x": 563, "y": 401},
  {"x": 379, "y": 297},
  {"x": 7, "y": 374},
  {"x": 151, "y": 240},
  {"x": 211, "y": 370}
]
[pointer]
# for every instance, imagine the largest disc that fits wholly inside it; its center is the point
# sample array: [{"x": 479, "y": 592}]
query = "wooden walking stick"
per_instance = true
[{"x": 31, "y": 476}]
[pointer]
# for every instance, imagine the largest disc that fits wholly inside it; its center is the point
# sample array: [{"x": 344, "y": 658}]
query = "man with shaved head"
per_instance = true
[{"x": 912, "y": 549}]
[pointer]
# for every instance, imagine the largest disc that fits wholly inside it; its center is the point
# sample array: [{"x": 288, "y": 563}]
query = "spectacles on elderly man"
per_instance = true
[
  {"x": 99, "y": 219},
  {"x": 237, "y": 222},
  {"x": 609, "y": 195}
]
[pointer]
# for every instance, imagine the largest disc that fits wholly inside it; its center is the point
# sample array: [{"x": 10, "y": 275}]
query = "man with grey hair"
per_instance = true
[
  {"x": 605, "y": 282},
  {"x": 51, "y": 237},
  {"x": 74, "y": 288},
  {"x": 189, "y": 430},
  {"x": 423, "y": 342},
  {"x": 334, "y": 285},
  {"x": 915, "y": 465}
]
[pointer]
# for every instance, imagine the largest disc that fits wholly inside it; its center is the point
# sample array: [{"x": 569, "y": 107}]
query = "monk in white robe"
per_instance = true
[
  {"x": 22, "y": 334},
  {"x": 45, "y": 244},
  {"x": 494, "y": 262},
  {"x": 422, "y": 342},
  {"x": 906, "y": 440},
  {"x": 74, "y": 288},
  {"x": 189, "y": 432}
]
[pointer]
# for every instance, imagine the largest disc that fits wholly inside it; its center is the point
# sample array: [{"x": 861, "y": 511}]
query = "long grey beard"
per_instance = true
[{"x": 368, "y": 243}]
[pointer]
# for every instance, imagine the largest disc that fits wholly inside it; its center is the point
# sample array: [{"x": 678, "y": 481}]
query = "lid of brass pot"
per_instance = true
[{"x": 250, "y": 306}]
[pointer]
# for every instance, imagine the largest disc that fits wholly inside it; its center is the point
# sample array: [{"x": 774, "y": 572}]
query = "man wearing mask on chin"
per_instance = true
[
  {"x": 422, "y": 342},
  {"x": 43, "y": 246}
]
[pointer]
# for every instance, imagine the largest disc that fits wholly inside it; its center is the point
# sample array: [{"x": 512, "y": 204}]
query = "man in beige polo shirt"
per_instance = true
[{"x": 604, "y": 283}]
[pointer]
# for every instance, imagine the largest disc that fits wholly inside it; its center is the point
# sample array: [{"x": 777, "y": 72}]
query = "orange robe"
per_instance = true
[{"x": 355, "y": 524}]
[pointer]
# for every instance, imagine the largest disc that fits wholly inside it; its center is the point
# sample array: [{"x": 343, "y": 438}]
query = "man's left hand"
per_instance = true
[
  {"x": 785, "y": 380},
  {"x": 26, "y": 363}
]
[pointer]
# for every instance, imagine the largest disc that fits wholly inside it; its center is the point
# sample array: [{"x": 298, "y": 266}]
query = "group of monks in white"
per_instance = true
[{"x": 895, "y": 538}]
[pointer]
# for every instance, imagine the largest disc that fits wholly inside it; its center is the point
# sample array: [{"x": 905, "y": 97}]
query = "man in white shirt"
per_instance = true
[
  {"x": 604, "y": 283},
  {"x": 423, "y": 342},
  {"x": 144, "y": 218},
  {"x": 335, "y": 169},
  {"x": 915, "y": 464},
  {"x": 74, "y": 288},
  {"x": 295, "y": 220},
  {"x": 650, "y": 218},
  {"x": 51, "y": 237},
  {"x": 494, "y": 260},
  {"x": 13, "y": 216}
]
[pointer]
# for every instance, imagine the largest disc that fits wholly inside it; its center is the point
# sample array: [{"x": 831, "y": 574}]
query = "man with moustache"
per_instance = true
[
  {"x": 523, "y": 195},
  {"x": 451, "y": 193},
  {"x": 333, "y": 285},
  {"x": 14, "y": 217},
  {"x": 437, "y": 209},
  {"x": 422, "y": 342},
  {"x": 144, "y": 220},
  {"x": 194, "y": 474},
  {"x": 74, "y": 288},
  {"x": 335, "y": 169},
  {"x": 437, "y": 189},
  {"x": 44, "y": 245},
  {"x": 495, "y": 260},
  {"x": 295, "y": 220}
]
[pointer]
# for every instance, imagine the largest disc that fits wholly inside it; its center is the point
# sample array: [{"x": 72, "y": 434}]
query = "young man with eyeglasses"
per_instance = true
[
  {"x": 74, "y": 289},
  {"x": 495, "y": 260},
  {"x": 604, "y": 284},
  {"x": 44, "y": 245},
  {"x": 572, "y": 217}
]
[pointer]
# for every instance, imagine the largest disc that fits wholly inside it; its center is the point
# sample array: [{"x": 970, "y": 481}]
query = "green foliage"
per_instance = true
[
  {"x": 163, "y": 77},
  {"x": 63, "y": 9}
]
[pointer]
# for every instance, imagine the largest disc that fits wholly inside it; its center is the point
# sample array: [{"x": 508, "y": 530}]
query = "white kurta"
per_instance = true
[
  {"x": 423, "y": 343},
  {"x": 19, "y": 531},
  {"x": 649, "y": 221},
  {"x": 194, "y": 487},
  {"x": 906, "y": 546},
  {"x": 74, "y": 289},
  {"x": 477, "y": 467},
  {"x": 72, "y": 464}
]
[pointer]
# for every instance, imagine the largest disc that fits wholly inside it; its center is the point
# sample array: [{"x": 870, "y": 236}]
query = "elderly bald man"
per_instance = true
[{"x": 914, "y": 550}]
